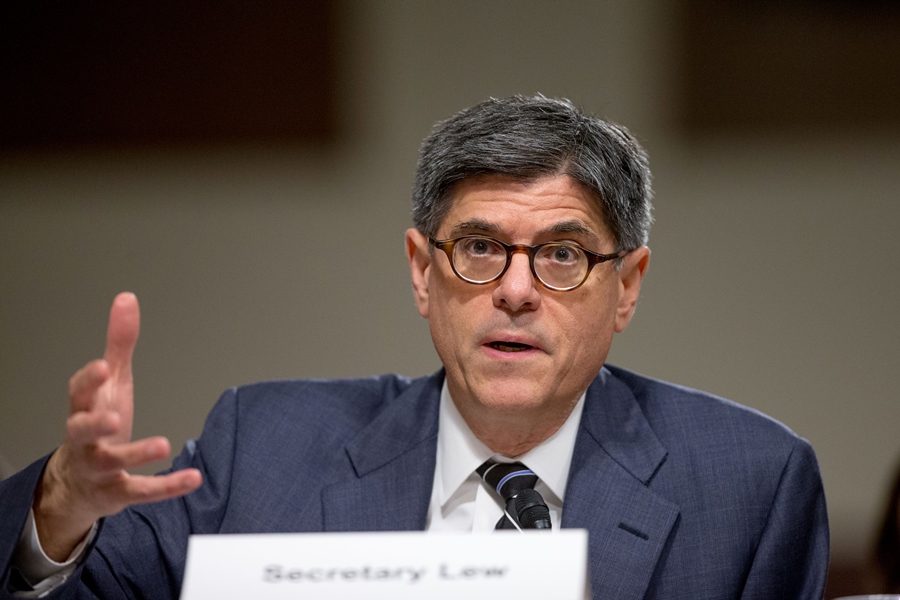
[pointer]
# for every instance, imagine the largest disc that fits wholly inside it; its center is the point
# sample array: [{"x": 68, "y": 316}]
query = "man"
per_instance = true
[{"x": 527, "y": 256}]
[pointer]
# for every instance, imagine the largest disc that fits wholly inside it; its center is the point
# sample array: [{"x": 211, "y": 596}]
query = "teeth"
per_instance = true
[{"x": 510, "y": 346}]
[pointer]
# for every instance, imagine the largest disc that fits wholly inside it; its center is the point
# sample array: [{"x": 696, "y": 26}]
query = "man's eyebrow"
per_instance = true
[
  {"x": 572, "y": 227},
  {"x": 563, "y": 227},
  {"x": 474, "y": 226}
]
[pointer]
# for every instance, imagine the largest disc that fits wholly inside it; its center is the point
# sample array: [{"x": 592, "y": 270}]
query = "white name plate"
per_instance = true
[{"x": 389, "y": 566}]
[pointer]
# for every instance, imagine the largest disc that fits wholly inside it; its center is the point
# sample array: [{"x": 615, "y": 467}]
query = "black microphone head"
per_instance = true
[{"x": 532, "y": 511}]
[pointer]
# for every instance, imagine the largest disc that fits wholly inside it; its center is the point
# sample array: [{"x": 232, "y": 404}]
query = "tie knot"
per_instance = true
[{"x": 509, "y": 479}]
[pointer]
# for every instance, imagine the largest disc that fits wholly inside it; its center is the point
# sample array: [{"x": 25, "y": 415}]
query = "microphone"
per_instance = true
[{"x": 532, "y": 511}]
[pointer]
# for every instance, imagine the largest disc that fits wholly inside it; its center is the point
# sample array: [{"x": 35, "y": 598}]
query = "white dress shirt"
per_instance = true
[{"x": 461, "y": 501}]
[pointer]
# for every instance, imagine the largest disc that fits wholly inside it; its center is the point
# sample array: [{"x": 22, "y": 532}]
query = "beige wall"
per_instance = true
[{"x": 773, "y": 279}]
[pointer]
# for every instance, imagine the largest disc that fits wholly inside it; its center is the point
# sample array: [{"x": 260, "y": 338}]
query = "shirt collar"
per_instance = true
[{"x": 459, "y": 452}]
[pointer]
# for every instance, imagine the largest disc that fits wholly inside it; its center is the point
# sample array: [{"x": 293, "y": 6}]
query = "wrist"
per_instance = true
[{"x": 61, "y": 521}]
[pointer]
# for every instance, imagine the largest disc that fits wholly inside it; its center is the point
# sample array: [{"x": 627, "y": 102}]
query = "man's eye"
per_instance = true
[
  {"x": 479, "y": 247},
  {"x": 563, "y": 255}
]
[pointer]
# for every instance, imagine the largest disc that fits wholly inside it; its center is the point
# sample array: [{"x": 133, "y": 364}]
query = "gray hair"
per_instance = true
[{"x": 530, "y": 137}]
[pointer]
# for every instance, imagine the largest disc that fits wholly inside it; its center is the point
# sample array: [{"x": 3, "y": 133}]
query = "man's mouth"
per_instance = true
[{"x": 510, "y": 346}]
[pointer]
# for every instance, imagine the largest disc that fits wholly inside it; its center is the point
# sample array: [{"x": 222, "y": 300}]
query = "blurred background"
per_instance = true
[{"x": 245, "y": 168}]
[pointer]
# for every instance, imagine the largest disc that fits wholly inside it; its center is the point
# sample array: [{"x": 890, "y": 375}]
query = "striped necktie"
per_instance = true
[{"x": 515, "y": 483}]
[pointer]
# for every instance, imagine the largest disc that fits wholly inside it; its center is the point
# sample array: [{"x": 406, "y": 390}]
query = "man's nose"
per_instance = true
[{"x": 517, "y": 290}]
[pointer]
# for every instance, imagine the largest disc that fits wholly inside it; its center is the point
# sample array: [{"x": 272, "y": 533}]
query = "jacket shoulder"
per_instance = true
[
  {"x": 325, "y": 397},
  {"x": 677, "y": 412}
]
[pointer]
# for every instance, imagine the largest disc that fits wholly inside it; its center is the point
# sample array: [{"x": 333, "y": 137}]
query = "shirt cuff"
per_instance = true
[{"x": 41, "y": 572}]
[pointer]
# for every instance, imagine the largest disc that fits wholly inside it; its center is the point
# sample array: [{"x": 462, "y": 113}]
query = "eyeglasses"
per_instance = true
[{"x": 560, "y": 266}]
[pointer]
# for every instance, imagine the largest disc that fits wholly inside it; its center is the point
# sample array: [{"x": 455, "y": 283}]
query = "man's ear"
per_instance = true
[
  {"x": 418, "y": 253},
  {"x": 634, "y": 267}
]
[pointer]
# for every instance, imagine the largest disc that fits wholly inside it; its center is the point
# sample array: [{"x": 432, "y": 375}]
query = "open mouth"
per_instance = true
[{"x": 510, "y": 346}]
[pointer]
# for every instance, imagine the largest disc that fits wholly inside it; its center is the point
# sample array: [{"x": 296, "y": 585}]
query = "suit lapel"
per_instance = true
[
  {"x": 393, "y": 462},
  {"x": 616, "y": 455}
]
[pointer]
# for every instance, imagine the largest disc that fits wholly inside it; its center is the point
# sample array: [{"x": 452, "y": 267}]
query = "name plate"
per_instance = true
[{"x": 389, "y": 566}]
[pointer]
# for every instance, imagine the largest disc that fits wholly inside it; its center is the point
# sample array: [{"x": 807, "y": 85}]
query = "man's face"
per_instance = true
[{"x": 513, "y": 346}]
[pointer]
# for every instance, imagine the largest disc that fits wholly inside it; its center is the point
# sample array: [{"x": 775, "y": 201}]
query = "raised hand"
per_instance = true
[{"x": 87, "y": 478}]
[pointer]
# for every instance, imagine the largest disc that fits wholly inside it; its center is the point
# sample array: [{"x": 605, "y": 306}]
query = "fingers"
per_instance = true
[
  {"x": 88, "y": 428},
  {"x": 122, "y": 333},
  {"x": 123, "y": 489},
  {"x": 107, "y": 457},
  {"x": 93, "y": 477},
  {"x": 94, "y": 452},
  {"x": 139, "y": 489},
  {"x": 121, "y": 337},
  {"x": 84, "y": 385}
]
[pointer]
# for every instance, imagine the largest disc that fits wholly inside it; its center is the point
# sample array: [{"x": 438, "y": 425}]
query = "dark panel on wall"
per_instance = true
[
  {"x": 140, "y": 72},
  {"x": 772, "y": 64}
]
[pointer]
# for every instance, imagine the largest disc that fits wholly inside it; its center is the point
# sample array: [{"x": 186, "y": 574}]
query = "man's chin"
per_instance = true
[{"x": 511, "y": 396}]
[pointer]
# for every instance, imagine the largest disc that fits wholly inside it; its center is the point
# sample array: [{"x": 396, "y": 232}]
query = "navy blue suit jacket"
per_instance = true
[{"x": 685, "y": 496}]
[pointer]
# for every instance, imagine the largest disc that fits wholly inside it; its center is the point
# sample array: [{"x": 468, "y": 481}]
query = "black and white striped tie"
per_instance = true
[{"x": 515, "y": 483}]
